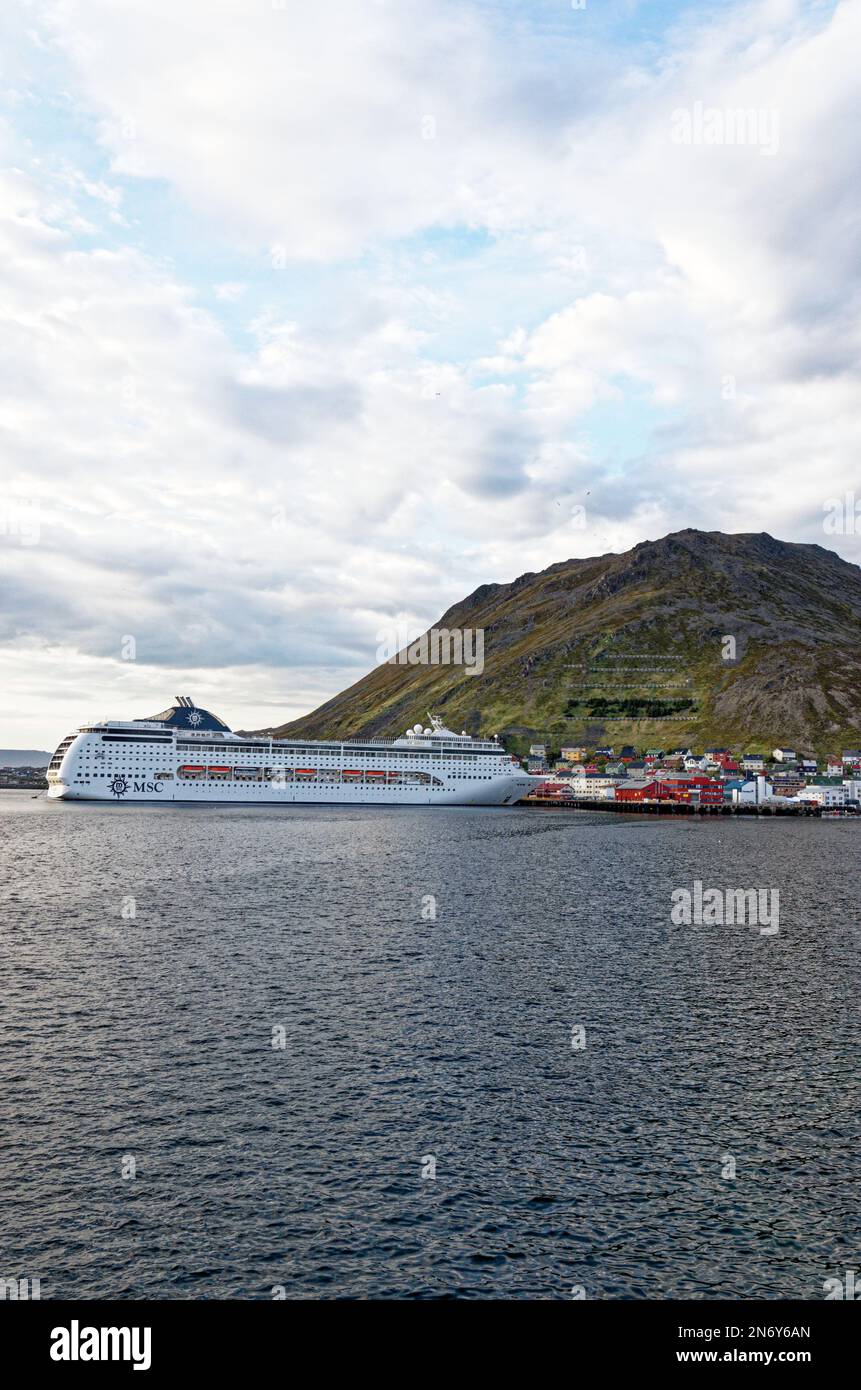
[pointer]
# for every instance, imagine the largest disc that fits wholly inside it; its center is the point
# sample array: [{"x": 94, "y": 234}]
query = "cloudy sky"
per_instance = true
[{"x": 317, "y": 316}]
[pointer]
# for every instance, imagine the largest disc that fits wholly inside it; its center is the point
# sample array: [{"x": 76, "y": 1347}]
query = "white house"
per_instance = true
[
  {"x": 825, "y": 796},
  {"x": 589, "y": 783},
  {"x": 753, "y": 762},
  {"x": 784, "y": 755}
]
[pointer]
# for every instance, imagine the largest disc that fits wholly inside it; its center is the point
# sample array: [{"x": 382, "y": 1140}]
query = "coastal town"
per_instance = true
[
  {"x": 781, "y": 781},
  {"x": 23, "y": 777}
]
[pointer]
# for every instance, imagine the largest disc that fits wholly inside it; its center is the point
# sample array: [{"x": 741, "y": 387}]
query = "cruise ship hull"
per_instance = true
[{"x": 505, "y": 793}]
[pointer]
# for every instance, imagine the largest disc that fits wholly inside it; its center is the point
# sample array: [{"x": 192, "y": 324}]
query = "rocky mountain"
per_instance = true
[
  {"x": 24, "y": 757},
  {"x": 699, "y": 638}
]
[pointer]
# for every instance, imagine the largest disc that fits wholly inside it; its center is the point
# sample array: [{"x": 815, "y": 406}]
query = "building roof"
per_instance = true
[{"x": 678, "y": 776}]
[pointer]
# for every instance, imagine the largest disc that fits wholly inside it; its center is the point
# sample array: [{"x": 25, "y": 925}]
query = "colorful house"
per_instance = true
[
  {"x": 787, "y": 783},
  {"x": 571, "y": 754}
]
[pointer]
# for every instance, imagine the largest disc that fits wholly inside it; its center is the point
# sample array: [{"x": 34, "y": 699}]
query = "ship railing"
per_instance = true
[{"x": 403, "y": 743}]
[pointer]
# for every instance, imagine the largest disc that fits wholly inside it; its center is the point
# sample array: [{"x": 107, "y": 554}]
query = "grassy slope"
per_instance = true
[{"x": 794, "y": 610}]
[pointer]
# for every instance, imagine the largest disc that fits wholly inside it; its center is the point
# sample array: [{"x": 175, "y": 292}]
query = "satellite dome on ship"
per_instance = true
[{"x": 186, "y": 715}]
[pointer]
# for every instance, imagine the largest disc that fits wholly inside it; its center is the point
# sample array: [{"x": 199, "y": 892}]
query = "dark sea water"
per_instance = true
[{"x": 151, "y": 1038}]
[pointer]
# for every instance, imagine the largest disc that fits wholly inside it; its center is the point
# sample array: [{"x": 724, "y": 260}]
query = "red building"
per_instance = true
[
  {"x": 725, "y": 761},
  {"x": 638, "y": 789},
  {"x": 694, "y": 788},
  {"x": 550, "y": 791},
  {"x": 684, "y": 787}
]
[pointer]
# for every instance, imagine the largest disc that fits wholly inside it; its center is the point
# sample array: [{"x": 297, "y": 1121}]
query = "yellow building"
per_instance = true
[{"x": 573, "y": 755}]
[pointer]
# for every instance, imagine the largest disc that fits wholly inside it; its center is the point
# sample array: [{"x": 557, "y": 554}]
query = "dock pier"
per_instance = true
[{"x": 672, "y": 808}]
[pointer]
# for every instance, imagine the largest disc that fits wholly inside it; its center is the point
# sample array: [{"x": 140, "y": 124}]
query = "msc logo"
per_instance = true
[{"x": 120, "y": 786}]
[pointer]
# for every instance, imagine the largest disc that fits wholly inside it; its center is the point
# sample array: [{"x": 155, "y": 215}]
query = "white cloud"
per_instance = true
[
  {"x": 315, "y": 127},
  {"x": 666, "y": 332}
]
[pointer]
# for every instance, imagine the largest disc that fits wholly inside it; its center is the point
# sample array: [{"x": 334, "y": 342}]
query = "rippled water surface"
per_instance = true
[{"x": 409, "y": 1039}]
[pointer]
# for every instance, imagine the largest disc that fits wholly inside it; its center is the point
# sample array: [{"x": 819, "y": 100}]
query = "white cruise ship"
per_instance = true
[{"x": 187, "y": 754}]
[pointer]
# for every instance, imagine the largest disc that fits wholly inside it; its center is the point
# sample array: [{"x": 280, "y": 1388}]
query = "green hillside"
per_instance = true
[{"x": 631, "y": 649}]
